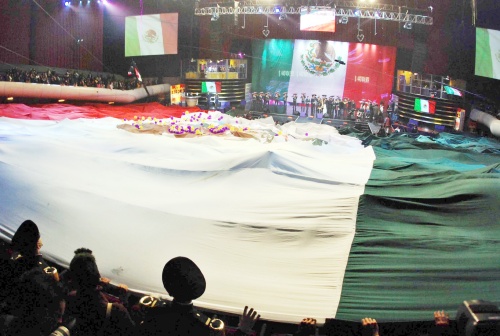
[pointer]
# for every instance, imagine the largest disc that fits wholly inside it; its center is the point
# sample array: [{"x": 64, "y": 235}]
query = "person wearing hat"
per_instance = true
[
  {"x": 94, "y": 313},
  {"x": 314, "y": 104},
  {"x": 303, "y": 103},
  {"x": 308, "y": 103},
  {"x": 26, "y": 244},
  {"x": 294, "y": 104},
  {"x": 184, "y": 281},
  {"x": 254, "y": 102}
]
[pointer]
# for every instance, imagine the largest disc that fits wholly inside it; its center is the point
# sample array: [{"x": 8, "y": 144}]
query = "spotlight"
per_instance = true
[
  {"x": 377, "y": 14},
  {"x": 277, "y": 9},
  {"x": 215, "y": 17},
  {"x": 67, "y": 3},
  {"x": 408, "y": 25},
  {"x": 357, "y": 12}
]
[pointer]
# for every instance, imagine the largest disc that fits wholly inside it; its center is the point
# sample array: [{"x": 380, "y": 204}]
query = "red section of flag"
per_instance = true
[
  {"x": 218, "y": 87},
  {"x": 369, "y": 73},
  {"x": 432, "y": 106}
]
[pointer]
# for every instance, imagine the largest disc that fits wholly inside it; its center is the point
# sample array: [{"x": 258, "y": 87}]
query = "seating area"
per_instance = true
[{"x": 23, "y": 280}]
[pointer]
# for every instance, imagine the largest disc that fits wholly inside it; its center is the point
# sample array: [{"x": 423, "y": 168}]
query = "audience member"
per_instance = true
[
  {"x": 371, "y": 325},
  {"x": 26, "y": 244},
  {"x": 39, "y": 307},
  {"x": 307, "y": 327},
  {"x": 95, "y": 315},
  {"x": 184, "y": 281}
]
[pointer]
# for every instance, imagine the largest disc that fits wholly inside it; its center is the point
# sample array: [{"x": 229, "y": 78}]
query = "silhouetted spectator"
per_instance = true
[{"x": 93, "y": 313}]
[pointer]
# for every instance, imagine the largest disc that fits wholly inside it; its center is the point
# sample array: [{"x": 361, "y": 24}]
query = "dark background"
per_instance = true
[{"x": 44, "y": 32}]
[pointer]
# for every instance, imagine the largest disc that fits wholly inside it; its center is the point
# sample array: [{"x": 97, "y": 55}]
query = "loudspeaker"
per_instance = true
[{"x": 478, "y": 318}]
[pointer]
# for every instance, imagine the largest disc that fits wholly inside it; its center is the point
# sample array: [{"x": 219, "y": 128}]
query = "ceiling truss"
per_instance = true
[{"x": 341, "y": 9}]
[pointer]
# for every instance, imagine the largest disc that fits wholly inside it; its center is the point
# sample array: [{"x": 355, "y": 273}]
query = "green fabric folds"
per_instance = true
[{"x": 428, "y": 229}]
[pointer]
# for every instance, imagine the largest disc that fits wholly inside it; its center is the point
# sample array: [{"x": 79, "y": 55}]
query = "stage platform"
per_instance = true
[{"x": 361, "y": 126}]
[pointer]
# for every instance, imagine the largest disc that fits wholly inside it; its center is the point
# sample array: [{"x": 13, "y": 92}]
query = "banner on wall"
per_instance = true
[
  {"x": 176, "y": 94},
  {"x": 348, "y": 70}
]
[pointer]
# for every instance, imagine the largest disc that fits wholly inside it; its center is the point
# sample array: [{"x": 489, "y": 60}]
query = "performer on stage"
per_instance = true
[
  {"x": 329, "y": 107},
  {"x": 260, "y": 102},
  {"x": 294, "y": 104},
  {"x": 308, "y": 102},
  {"x": 342, "y": 109},
  {"x": 303, "y": 103},
  {"x": 267, "y": 98},
  {"x": 254, "y": 102},
  {"x": 314, "y": 104},
  {"x": 276, "y": 101},
  {"x": 285, "y": 101}
]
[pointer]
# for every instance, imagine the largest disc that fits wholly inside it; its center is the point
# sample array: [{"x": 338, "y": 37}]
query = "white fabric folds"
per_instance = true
[{"x": 269, "y": 220}]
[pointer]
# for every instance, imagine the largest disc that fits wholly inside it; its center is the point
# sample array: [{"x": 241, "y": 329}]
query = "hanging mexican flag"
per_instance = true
[
  {"x": 211, "y": 87},
  {"x": 452, "y": 91},
  {"x": 423, "y": 105},
  {"x": 487, "y": 53},
  {"x": 151, "y": 34}
]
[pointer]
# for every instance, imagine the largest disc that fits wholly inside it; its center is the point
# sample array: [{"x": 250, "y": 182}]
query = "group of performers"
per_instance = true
[{"x": 318, "y": 106}]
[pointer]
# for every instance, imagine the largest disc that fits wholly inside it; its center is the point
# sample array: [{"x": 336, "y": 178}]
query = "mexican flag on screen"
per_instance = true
[
  {"x": 487, "y": 53},
  {"x": 211, "y": 87},
  {"x": 426, "y": 106},
  {"x": 151, "y": 34},
  {"x": 452, "y": 91}
]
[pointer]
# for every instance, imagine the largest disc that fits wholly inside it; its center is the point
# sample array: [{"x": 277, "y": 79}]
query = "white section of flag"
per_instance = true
[
  {"x": 494, "y": 36},
  {"x": 302, "y": 81},
  {"x": 150, "y": 32},
  {"x": 286, "y": 229}
]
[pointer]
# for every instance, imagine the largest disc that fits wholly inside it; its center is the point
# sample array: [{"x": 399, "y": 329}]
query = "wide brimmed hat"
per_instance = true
[{"x": 183, "y": 280}]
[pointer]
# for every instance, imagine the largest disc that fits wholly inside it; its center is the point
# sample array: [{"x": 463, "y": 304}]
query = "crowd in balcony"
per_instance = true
[{"x": 71, "y": 78}]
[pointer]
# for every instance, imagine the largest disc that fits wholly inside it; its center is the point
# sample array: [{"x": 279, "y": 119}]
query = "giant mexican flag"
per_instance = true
[
  {"x": 151, "y": 34},
  {"x": 298, "y": 220}
]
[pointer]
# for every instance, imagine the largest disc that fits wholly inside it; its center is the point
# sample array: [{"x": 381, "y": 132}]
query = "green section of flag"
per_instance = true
[
  {"x": 132, "y": 45},
  {"x": 452, "y": 91},
  {"x": 484, "y": 61},
  {"x": 427, "y": 231}
]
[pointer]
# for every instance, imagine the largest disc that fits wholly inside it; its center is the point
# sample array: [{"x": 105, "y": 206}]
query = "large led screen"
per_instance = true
[
  {"x": 147, "y": 35},
  {"x": 358, "y": 71},
  {"x": 487, "y": 53},
  {"x": 312, "y": 19}
]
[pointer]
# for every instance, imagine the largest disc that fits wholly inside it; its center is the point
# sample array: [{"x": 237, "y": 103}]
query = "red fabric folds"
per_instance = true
[{"x": 91, "y": 111}]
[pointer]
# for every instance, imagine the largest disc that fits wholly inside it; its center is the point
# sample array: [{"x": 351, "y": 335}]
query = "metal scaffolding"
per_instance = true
[{"x": 340, "y": 8}]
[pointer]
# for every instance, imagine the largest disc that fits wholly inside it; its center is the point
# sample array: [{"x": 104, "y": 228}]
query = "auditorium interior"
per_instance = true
[{"x": 329, "y": 160}]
